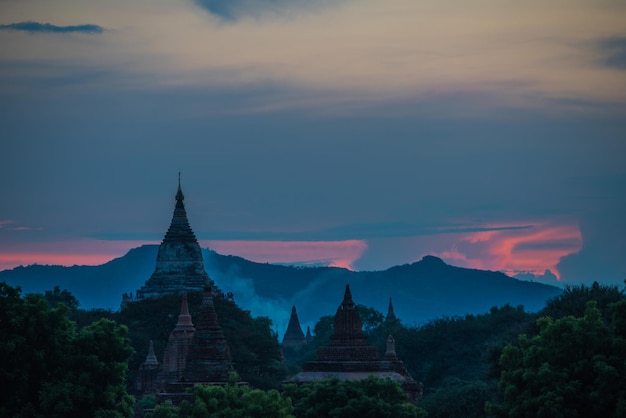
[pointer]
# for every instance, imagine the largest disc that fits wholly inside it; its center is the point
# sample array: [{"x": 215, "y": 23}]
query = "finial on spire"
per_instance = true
[{"x": 179, "y": 194}]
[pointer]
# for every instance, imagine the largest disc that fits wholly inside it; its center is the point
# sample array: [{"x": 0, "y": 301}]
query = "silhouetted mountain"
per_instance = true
[
  {"x": 94, "y": 286},
  {"x": 421, "y": 291}
]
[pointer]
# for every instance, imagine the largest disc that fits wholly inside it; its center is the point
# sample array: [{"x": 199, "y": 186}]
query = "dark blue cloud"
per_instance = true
[
  {"x": 232, "y": 10},
  {"x": 50, "y": 28},
  {"x": 615, "y": 48}
]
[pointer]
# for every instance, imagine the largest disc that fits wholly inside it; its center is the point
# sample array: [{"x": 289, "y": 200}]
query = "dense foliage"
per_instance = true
[
  {"x": 229, "y": 401},
  {"x": 569, "y": 359},
  {"x": 574, "y": 367},
  {"x": 52, "y": 370},
  {"x": 371, "y": 397}
]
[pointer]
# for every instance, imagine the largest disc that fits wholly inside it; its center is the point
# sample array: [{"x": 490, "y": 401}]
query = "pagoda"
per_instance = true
[
  {"x": 349, "y": 356},
  {"x": 179, "y": 264},
  {"x": 208, "y": 359},
  {"x": 294, "y": 337}
]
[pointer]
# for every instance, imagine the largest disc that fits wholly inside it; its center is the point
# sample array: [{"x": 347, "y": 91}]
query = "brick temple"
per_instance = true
[
  {"x": 193, "y": 355},
  {"x": 349, "y": 356}
]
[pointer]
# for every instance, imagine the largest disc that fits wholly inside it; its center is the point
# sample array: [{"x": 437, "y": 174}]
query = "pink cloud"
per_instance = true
[{"x": 528, "y": 250}]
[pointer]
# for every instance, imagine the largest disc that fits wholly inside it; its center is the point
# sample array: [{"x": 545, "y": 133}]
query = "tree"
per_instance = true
[
  {"x": 574, "y": 367},
  {"x": 56, "y": 296},
  {"x": 53, "y": 371},
  {"x": 573, "y": 301},
  {"x": 229, "y": 401},
  {"x": 456, "y": 398},
  {"x": 371, "y": 397}
]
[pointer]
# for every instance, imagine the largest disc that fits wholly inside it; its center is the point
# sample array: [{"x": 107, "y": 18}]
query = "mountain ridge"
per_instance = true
[{"x": 421, "y": 291}]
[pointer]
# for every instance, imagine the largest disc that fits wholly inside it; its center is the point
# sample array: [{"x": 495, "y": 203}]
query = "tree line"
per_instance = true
[{"x": 567, "y": 360}]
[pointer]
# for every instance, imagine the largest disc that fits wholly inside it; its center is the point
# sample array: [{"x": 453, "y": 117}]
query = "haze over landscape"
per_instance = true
[{"x": 358, "y": 133}]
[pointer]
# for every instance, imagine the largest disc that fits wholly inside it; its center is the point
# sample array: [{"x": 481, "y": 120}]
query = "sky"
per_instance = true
[{"x": 354, "y": 133}]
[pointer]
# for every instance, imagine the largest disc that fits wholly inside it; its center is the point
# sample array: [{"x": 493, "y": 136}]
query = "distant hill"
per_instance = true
[{"x": 421, "y": 291}]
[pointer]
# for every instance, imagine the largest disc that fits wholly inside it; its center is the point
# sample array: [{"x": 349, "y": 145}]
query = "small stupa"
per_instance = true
[{"x": 294, "y": 337}]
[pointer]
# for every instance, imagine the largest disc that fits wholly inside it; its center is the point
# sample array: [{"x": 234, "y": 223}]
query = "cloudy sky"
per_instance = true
[{"x": 354, "y": 133}]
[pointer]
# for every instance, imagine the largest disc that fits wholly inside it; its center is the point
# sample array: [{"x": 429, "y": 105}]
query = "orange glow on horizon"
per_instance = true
[
  {"x": 92, "y": 252},
  {"x": 82, "y": 252}
]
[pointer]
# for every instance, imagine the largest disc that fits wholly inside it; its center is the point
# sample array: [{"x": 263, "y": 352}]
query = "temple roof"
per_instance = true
[
  {"x": 347, "y": 329},
  {"x": 294, "y": 335},
  {"x": 347, "y": 343}
]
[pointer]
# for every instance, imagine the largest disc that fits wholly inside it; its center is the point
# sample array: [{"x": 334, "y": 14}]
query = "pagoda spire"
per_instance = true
[
  {"x": 347, "y": 298},
  {"x": 179, "y": 265},
  {"x": 179, "y": 194},
  {"x": 179, "y": 230},
  {"x": 294, "y": 335},
  {"x": 184, "y": 319},
  {"x": 391, "y": 316}
]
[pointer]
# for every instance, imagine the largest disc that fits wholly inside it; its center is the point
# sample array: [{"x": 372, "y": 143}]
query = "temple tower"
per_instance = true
[
  {"x": 179, "y": 265},
  {"x": 208, "y": 359},
  {"x": 294, "y": 337},
  {"x": 175, "y": 354}
]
